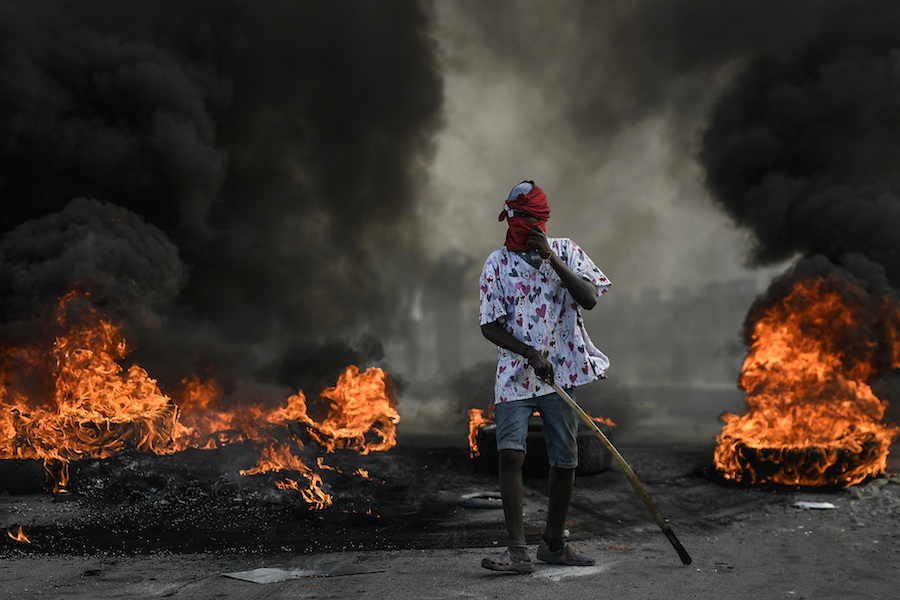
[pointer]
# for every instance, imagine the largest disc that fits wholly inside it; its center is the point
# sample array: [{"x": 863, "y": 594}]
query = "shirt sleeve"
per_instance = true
[
  {"x": 492, "y": 303},
  {"x": 582, "y": 265}
]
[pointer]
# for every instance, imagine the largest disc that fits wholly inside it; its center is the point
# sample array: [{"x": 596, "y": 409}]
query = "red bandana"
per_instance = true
[{"x": 533, "y": 204}]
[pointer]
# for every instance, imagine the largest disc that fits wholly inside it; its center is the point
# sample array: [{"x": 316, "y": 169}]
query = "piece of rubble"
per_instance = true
[
  {"x": 814, "y": 505},
  {"x": 481, "y": 500},
  {"x": 270, "y": 575}
]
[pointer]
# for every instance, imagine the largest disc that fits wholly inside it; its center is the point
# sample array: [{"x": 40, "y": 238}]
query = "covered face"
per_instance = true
[{"x": 525, "y": 209}]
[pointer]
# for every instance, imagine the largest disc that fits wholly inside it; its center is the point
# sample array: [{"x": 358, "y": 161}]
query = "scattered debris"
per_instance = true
[
  {"x": 876, "y": 499},
  {"x": 871, "y": 488}
]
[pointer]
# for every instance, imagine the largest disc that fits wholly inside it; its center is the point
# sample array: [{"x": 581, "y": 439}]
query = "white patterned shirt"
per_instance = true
[{"x": 536, "y": 308}]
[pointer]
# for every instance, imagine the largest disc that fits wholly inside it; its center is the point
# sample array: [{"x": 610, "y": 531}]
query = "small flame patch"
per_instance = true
[{"x": 16, "y": 533}]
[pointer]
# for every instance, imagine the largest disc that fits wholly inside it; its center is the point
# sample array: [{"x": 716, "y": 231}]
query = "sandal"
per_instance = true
[
  {"x": 563, "y": 556},
  {"x": 508, "y": 563}
]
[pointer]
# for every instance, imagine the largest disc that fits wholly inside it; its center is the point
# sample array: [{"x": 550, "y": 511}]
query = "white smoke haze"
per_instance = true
[{"x": 633, "y": 195}]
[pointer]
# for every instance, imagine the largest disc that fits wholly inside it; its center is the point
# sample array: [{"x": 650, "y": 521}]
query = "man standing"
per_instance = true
[{"x": 532, "y": 292}]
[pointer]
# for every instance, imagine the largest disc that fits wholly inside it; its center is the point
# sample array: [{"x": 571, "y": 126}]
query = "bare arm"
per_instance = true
[
  {"x": 582, "y": 290},
  {"x": 496, "y": 333}
]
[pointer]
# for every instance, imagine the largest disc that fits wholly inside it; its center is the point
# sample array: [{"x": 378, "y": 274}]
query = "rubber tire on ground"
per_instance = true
[{"x": 593, "y": 457}]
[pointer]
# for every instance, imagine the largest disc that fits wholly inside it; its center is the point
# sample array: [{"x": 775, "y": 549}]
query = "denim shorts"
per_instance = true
[{"x": 560, "y": 427}]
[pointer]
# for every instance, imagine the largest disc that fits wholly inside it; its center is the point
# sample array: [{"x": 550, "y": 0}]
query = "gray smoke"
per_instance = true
[
  {"x": 601, "y": 102},
  {"x": 802, "y": 151},
  {"x": 256, "y": 172},
  {"x": 252, "y": 170},
  {"x": 128, "y": 265},
  {"x": 615, "y": 63}
]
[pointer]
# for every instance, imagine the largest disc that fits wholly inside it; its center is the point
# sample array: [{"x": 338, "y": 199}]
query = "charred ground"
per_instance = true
[{"x": 197, "y": 502}]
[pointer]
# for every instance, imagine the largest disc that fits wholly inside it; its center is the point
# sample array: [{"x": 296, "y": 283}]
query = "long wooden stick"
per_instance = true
[{"x": 629, "y": 472}]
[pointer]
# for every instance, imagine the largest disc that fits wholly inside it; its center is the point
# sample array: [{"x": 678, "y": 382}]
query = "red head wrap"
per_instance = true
[{"x": 533, "y": 204}]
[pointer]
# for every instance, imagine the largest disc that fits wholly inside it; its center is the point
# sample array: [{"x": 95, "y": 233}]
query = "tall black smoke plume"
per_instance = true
[
  {"x": 234, "y": 180},
  {"x": 803, "y": 151}
]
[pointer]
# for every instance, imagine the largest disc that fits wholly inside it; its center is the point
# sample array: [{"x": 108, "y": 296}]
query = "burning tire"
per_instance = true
[
  {"x": 593, "y": 457},
  {"x": 813, "y": 465}
]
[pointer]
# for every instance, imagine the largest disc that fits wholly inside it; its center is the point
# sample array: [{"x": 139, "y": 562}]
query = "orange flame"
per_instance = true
[
  {"x": 603, "y": 421},
  {"x": 361, "y": 416},
  {"x": 477, "y": 420},
  {"x": 56, "y": 471},
  {"x": 19, "y": 536},
  {"x": 320, "y": 462},
  {"x": 76, "y": 401},
  {"x": 278, "y": 457},
  {"x": 811, "y": 417},
  {"x": 91, "y": 406}
]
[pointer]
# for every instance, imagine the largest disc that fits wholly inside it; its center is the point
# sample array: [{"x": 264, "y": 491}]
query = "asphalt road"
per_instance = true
[{"x": 746, "y": 543}]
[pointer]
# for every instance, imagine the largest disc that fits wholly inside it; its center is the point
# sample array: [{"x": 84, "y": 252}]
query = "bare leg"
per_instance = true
[
  {"x": 515, "y": 558},
  {"x": 511, "y": 487},
  {"x": 559, "y": 483},
  {"x": 553, "y": 548}
]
